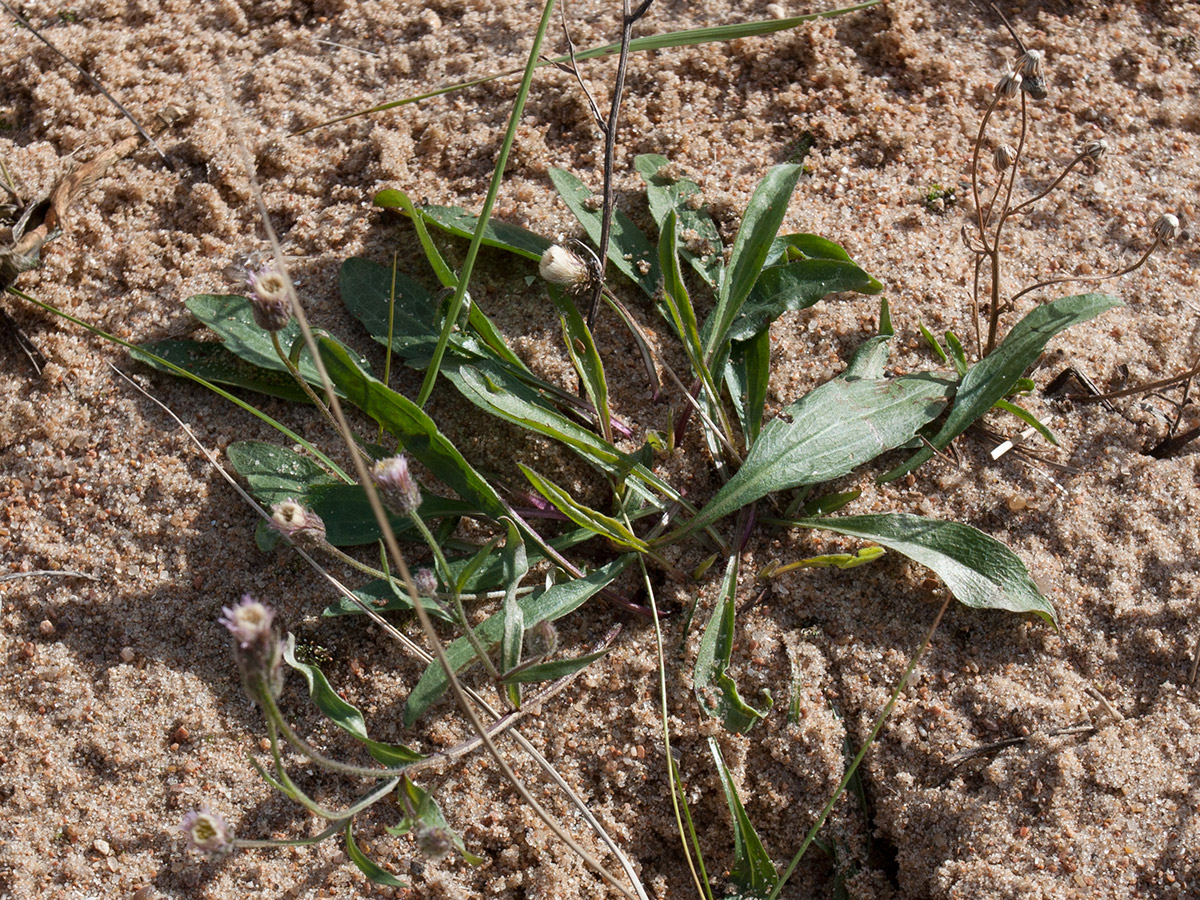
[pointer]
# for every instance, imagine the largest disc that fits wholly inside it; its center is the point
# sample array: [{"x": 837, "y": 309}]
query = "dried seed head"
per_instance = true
[
  {"x": 1008, "y": 86},
  {"x": 301, "y": 526},
  {"x": 1095, "y": 150},
  {"x": 249, "y": 622},
  {"x": 1003, "y": 156},
  {"x": 1034, "y": 86},
  {"x": 269, "y": 300},
  {"x": 560, "y": 266},
  {"x": 426, "y": 582},
  {"x": 206, "y": 831},
  {"x": 1166, "y": 227},
  {"x": 397, "y": 488},
  {"x": 1031, "y": 64}
]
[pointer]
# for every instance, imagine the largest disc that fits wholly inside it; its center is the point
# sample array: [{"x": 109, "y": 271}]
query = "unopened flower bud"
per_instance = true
[
  {"x": 426, "y": 582},
  {"x": 1003, "y": 156},
  {"x": 206, "y": 831},
  {"x": 269, "y": 301},
  {"x": 560, "y": 266},
  {"x": 1166, "y": 227},
  {"x": 1031, "y": 64},
  {"x": 397, "y": 488},
  {"x": 1008, "y": 86},
  {"x": 301, "y": 526},
  {"x": 1095, "y": 150}
]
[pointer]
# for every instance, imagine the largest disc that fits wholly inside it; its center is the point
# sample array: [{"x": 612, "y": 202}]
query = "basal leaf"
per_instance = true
[
  {"x": 212, "y": 362},
  {"x": 752, "y": 871},
  {"x": 583, "y": 516},
  {"x": 715, "y": 688},
  {"x": 275, "y": 473},
  {"x": 552, "y": 671},
  {"x": 980, "y": 571},
  {"x": 460, "y": 223},
  {"x": 994, "y": 376},
  {"x": 794, "y": 286},
  {"x": 628, "y": 248},
  {"x": 366, "y": 865},
  {"x": 827, "y": 433},
  {"x": 540, "y": 606},
  {"x": 701, "y": 247}
]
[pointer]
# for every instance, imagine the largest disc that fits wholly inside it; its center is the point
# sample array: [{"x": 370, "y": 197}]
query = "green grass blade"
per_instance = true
[
  {"x": 994, "y": 376},
  {"x": 468, "y": 265},
  {"x": 980, "y": 571},
  {"x": 687, "y": 38},
  {"x": 516, "y": 566},
  {"x": 1028, "y": 418},
  {"x": 460, "y": 223}
]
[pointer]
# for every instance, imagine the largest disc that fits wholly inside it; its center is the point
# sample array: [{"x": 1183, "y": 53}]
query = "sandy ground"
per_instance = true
[{"x": 121, "y": 707}]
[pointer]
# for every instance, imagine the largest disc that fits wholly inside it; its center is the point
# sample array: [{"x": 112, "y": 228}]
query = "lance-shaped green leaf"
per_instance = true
[
  {"x": 980, "y": 571},
  {"x": 366, "y": 865},
  {"x": 413, "y": 427},
  {"x": 275, "y": 473},
  {"x": 752, "y": 871},
  {"x": 460, "y": 223},
  {"x": 540, "y": 606},
  {"x": 350, "y": 521},
  {"x": 675, "y": 295},
  {"x": 551, "y": 671},
  {"x": 994, "y": 376},
  {"x": 584, "y": 357},
  {"x": 794, "y": 286},
  {"x": 667, "y": 194},
  {"x": 344, "y": 715},
  {"x": 628, "y": 248},
  {"x": 826, "y": 433},
  {"x": 761, "y": 223},
  {"x": 516, "y": 565},
  {"x": 583, "y": 516},
  {"x": 231, "y": 317},
  {"x": 715, "y": 688},
  {"x": 747, "y": 376}
]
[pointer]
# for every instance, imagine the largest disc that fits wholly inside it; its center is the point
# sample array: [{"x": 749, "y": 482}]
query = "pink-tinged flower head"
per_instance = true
[
  {"x": 298, "y": 524},
  {"x": 249, "y": 621},
  {"x": 269, "y": 301},
  {"x": 397, "y": 487},
  {"x": 206, "y": 831}
]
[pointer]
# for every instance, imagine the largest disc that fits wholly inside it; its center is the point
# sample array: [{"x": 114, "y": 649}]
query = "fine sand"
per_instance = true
[{"x": 122, "y": 708}]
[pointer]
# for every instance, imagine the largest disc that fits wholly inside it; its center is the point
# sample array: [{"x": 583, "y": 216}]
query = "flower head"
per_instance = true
[
  {"x": 1166, "y": 227},
  {"x": 434, "y": 842},
  {"x": 249, "y": 621},
  {"x": 269, "y": 301},
  {"x": 206, "y": 831},
  {"x": 560, "y": 266},
  {"x": 426, "y": 582},
  {"x": 1095, "y": 150},
  {"x": 298, "y": 524},
  {"x": 1031, "y": 64},
  {"x": 397, "y": 487},
  {"x": 1008, "y": 86}
]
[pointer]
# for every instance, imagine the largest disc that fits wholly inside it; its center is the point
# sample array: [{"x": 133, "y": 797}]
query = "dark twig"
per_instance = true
[
  {"x": 609, "y": 128},
  {"x": 90, "y": 79}
]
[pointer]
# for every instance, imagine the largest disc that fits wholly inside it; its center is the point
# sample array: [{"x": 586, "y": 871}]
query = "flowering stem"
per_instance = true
[{"x": 1085, "y": 278}]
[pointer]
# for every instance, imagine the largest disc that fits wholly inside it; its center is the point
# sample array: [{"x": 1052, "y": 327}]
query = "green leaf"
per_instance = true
[
  {"x": 516, "y": 565},
  {"x": 552, "y": 671},
  {"x": 379, "y": 596},
  {"x": 344, "y": 715},
  {"x": 835, "y": 428},
  {"x": 211, "y": 361},
  {"x": 540, "y": 606},
  {"x": 628, "y": 247},
  {"x": 425, "y": 811},
  {"x": 372, "y": 870},
  {"x": 583, "y": 516},
  {"x": 789, "y": 247},
  {"x": 274, "y": 473},
  {"x": 980, "y": 571},
  {"x": 715, "y": 688},
  {"x": 675, "y": 295},
  {"x": 460, "y": 223},
  {"x": 350, "y": 520},
  {"x": 414, "y": 429},
  {"x": 1028, "y": 418},
  {"x": 666, "y": 196},
  {"x": 230, "y": 316},
  {"x": 761, "y": 223},
  {"x": 584, "y": 357},
  {"x": 753, "y": 872},
  {"x": 993, "y": 377},
  {"x": 747, "y": 375},
  {"x": 957, "y": 352},
  {"x": 794, "y": 286},
  {"x": 826, "y": 561}
]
